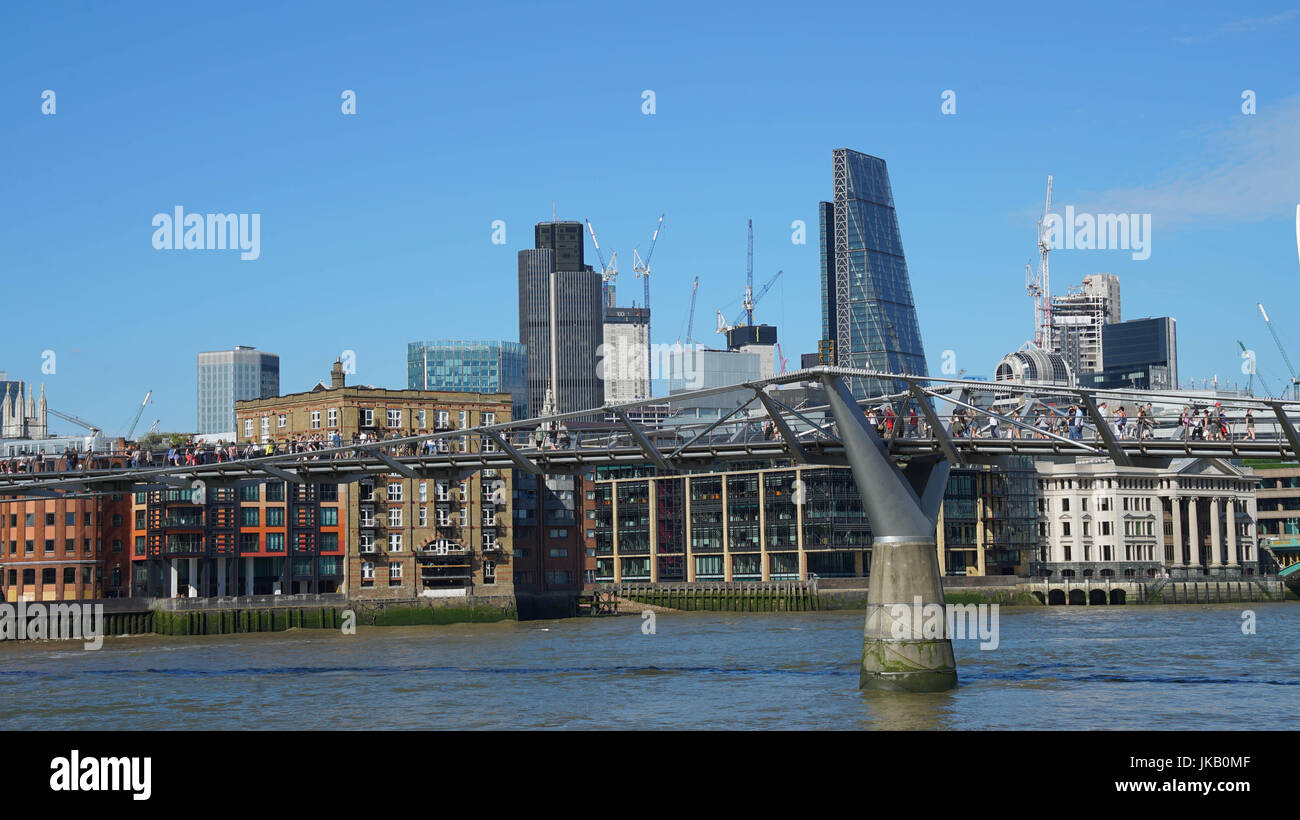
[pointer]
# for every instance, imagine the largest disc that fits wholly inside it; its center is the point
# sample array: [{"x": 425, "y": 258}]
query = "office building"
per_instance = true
[
  {"x": 228, "y": 376},
  {"x": 470, "y": 367},
  {"x": 624, "y": 363},
  {"x": 868, "y": 316},
  {"x": 1194, "y": 519},
  {"x": 787, "y": 522},
  {"x": 578, "y": 317},
  {"x": 1138, "y": 354}
]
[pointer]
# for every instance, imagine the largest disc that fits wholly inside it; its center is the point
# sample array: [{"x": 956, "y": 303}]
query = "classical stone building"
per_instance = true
[{"x": 1194, "y": 520}]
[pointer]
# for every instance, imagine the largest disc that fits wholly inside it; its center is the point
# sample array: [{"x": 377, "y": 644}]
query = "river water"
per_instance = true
[{"x": 1153, "y": 667}]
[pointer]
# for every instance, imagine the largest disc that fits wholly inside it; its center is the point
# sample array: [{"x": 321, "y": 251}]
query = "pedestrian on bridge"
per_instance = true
[{"x": 1250, "y": 424}]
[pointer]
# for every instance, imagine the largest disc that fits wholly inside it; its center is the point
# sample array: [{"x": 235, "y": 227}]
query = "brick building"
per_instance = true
[
  {"x": 64, "y": 549},
  {"x": 405, "y": 537}
]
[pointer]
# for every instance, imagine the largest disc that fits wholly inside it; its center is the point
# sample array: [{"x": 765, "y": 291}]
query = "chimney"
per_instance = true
[{"x": 336, "y": 374}]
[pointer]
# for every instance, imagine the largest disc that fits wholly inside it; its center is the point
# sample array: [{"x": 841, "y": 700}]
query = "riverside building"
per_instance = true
[
  {"x": 402, "y": 538},
  {"x": 1194, "y": 520},
  {"x": 788, "y": 523},
  {"x": 64, "y": 549}
]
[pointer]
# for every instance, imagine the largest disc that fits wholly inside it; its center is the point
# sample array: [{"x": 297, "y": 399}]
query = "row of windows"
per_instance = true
[{"x": 367, "y": 419}]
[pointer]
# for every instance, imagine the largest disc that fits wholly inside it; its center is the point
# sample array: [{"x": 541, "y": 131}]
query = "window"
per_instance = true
[
  {"x": 424, "y": 516},
  {"x": 419, "y": 414},
  {"x": 332, "y": 417},
  {"x": 489, "y": 572},
  {"x": 275, "y": 542},
  {"x": 489, "y": 418},
  {"x": 394, "y": 574},
  {"x": 248, "y": 427},
  {"x": 250, "y": 516},
  {"x": 266, "y": 426},
  {"x": 275, "y": 516},
  {"x": 463, "y": 419},
  {"x": 367, "y": 573},
  {"x": 394, "y": 418},
  {"x": 395, "y": 517},
  {"x": 315, "y": 419},
  {"x": 367, "y": 542},
  {"x": 69, "y": 519},
  {"x": 394, "y": 542},
  {"x": 282, "y": 421},
  {"x": 329, "y": 516},
  {"x": 367, "y": 417},
  {"x": 395, "y": 491},
  {"x": 440, "y": 491},
  {"x": 424, "y": 491},
  {"x": 444, "y": 420}
]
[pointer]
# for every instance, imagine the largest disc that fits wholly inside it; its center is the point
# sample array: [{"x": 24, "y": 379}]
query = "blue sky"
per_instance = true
[{"x": 376, "y": 228}]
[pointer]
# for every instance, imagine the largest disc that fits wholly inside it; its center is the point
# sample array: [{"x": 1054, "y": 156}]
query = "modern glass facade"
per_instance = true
[
  {"x": 1137, "y": 343},
  {"x": 868, "y": 316},
  {"x": 228, "y": 376},
  {"x": 470, "y": 367},
  {"x": 787, "y": 523}
]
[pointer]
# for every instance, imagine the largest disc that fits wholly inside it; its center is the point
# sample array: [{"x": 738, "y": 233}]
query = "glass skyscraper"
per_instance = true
[
  {"x": 228, "y": 376},
  {"x": 868, "y": 316},
  {"x": 472, "y": 367}
]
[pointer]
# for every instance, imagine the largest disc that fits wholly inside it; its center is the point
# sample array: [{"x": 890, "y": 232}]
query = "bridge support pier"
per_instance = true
[{"x": 905, "y": 642}]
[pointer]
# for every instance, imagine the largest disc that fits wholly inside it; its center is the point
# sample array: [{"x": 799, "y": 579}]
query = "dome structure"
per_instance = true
[{"x": 1033, "y": 365}]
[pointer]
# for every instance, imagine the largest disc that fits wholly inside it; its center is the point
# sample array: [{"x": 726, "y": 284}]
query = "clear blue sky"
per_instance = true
[{"x": 376, "y": 228}]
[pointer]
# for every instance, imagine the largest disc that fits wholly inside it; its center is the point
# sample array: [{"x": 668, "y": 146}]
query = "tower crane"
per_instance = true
[
  {"x": 642, "y": 266},
  {"x": 690, "y": 314},
  {"x": 1039, "y": 286},
  {"x": 131, "y": 430},
  {"x": 608, "y": 272},
  {"x": 748, "y": 311},
  {"x": 1285, "y": 358}
]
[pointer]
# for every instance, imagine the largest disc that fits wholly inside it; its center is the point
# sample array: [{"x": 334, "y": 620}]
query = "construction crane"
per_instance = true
[
  {"x": 749, "y": 276},
  {"x": 1280, "y": 349},
  {"x": 94, "y": 429},
  {"x": 780, "y": 358},
  {"x": 1039, "y": 286},
  {"x": 608, "y": 272},
  {"x": 748, "y": 311},
  {"x": 131, "y": 430},
  {"x": 1254, "y": 371},
  {"x": 642, "y": 266},
  {"x": 153, "y": 428},
  {"x": 690, "y": 314}
]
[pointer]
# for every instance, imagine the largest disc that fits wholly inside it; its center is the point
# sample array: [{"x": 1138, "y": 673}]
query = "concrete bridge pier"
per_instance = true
[{"x": 901, "y": 648}]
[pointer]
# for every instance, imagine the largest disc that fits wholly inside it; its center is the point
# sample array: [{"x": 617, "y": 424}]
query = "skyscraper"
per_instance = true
[
  {"x": 578, "y": 315},
  {"x": 228, "y": 376},
  {"x": 868, "y": 316}
]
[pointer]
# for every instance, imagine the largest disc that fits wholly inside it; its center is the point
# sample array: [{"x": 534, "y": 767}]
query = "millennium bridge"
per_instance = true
[{"x": 897, "y": 442}]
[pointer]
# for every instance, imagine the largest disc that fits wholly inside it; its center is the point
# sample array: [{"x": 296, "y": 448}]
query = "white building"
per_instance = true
[
  {"x": 625, "y": 354},
  {"x": 1194, "y": 520}
]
